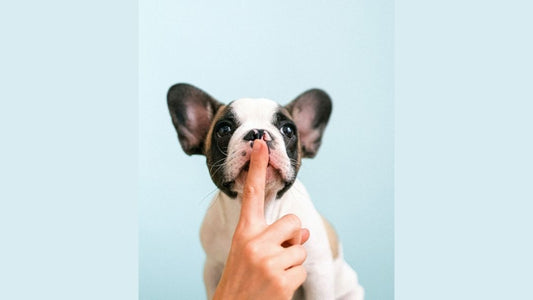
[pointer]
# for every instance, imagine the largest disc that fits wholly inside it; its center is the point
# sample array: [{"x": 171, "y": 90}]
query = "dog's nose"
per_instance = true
[{"x": 257, "y": 134}]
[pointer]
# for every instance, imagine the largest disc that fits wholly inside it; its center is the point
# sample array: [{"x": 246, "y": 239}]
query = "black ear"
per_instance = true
[
  {"x": 192, "y": 111},
  {"x": 310, "y": 111}
]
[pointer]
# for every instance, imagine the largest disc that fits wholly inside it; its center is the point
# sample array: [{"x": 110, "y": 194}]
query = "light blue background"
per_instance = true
[
  {"x": 463, "y": 150},
  {"x": 68, "y": 150},
  {"x": 275, "y": 50}
]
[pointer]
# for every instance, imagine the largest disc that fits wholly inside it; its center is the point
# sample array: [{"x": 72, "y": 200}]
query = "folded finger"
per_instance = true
[
  {"x": 291, "y": 257},
  {"x": 296, "y": 276},
  {"x": 286, "y": 230}
]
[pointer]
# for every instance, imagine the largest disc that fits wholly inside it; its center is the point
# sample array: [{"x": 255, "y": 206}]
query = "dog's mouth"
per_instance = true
[
  {"x": 273, "y": 174},
  {"x": 270, "y": 168},
  {"x": 274, "y": 181},
  {"x": 277, "y": 178}
]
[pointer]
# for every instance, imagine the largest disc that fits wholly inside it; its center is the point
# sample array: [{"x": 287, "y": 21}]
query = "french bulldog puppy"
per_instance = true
[{"x": 225, "y": 135}]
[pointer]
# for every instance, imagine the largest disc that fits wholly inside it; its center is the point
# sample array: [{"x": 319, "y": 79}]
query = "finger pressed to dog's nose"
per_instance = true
[
  {"x": 252, "y": 209},
  {"x": 258, "y": 134}
]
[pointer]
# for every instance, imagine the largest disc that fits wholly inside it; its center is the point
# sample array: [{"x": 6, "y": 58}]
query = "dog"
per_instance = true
[{"x": 225, "y": 134}]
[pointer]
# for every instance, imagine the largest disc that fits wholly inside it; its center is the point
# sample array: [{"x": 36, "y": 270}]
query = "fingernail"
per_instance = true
[{"x": 256, "y": 147}]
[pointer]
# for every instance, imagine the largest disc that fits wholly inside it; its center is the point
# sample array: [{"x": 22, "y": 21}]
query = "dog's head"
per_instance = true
[{"x": 225, "y": 134}]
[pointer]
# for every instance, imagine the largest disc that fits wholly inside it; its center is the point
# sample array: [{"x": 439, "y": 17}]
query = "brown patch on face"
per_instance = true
[
  {"x": 284, "y": 111},
  {"x": 220, "y": 112},
  {"x": 332, "y": 238},
  {"x": 216, "y": 150},
  {"x": 287, "y": 114},
  {"x": 282, "y": 120}
]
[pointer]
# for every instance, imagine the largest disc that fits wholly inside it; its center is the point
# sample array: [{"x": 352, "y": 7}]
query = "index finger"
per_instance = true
[{"x": 253, "y": 200}]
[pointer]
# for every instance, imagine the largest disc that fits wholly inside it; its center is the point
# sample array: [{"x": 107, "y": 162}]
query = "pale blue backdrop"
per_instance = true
[
  {"x": 463, "y": 142},
  {"x": 274, "y": 49}
]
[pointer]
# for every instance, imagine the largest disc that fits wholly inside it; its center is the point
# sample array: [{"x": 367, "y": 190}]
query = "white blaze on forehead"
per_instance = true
[{"x": 255, "y": 113}]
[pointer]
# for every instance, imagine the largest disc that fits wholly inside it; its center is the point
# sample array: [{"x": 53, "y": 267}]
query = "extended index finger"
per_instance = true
[{"x": 253, "y": 200}]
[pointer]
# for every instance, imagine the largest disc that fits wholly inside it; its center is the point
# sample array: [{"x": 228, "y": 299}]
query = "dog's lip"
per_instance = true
[{"x": 228, "y": 184}]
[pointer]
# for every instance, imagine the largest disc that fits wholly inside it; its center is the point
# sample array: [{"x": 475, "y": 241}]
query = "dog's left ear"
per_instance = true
[
  {"x": 310, "y": 111},
  {"x": 192, "y": 111}
]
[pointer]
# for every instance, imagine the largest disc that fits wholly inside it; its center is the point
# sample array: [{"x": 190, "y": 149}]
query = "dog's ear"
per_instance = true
[
  {"x": 192, "y": 111},
  {"x": 310, "y": 111}
]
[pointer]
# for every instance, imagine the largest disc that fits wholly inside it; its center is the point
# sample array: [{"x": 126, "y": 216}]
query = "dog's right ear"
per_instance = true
[{"x": 192, "y": 111}]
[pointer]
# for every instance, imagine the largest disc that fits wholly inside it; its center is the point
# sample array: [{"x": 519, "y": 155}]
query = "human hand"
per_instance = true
[{"x": 265, "y": 261}]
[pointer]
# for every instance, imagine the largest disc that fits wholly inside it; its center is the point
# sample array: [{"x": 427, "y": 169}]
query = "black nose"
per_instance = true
[{"x": 254, "y": 134}]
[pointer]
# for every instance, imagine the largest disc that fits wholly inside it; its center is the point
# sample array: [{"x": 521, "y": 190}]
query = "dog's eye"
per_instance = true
[
  {"x": 287, "y": 130},
  {"x": 223, "y": 130}
]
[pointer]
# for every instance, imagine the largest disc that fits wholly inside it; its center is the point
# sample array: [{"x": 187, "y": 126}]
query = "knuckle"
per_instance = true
[
  {"x": 268, "y": 267},
  {"x": 249, "y": 190},
  {"x": 300, "y": 276},
  {"x": 265, "y": 265},
  {"x": 282, "y": 283},
  {"x": 301, "y": 252},
  {"x": 251, "y": 250},
  {"x": 293, "y": 220}
]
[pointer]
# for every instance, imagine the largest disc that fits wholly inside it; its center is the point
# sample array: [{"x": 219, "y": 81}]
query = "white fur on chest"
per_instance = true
[{"x": 222, "y": 216}]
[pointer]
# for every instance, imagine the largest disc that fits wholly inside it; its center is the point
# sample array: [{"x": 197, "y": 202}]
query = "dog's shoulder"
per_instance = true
[{"x": 301, "y": 202}]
